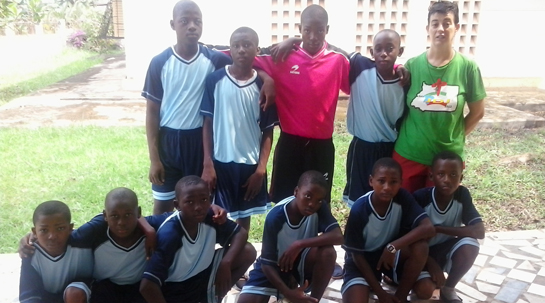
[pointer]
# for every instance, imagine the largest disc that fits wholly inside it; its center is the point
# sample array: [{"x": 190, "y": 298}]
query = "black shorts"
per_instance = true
[
  {"x": 442, "y": 252},
  {"x": 295, "y": 155},
  {"x": 107, "y": 291},
  {"x": 360, "y": 159},
  {"x": 181, "y": 152}
]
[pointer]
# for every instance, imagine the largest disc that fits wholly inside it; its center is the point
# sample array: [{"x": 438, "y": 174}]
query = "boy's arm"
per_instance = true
[
  {"x": 476, "y": 113},
  {"x": 255, "y": 181},
  {"x": 369, "y": 276},
  {"x": 149, "y": 232},
  {"x": 292, "y": 295},
  {"x": 330, "y": 238},
  {"x": 156, "y": 171},
  {"x": 151, "y": 291},
  {"x": 223, "y": 275},
  {"x": 423, "y": 231},
  {"x": 208, "y": 173},
  {"x": 473, "y": 231},
  {"x": 281, "y": 50},
  {"x": 267, "y": 94},
  {"x": 31, "y": 286},
  {"x": 436, "y": 272}
]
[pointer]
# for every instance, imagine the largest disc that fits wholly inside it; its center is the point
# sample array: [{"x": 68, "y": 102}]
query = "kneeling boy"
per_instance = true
[
  {"x": 185, "y": 266},
  {"x": 457, "y": 223},
  {"x": 61, "y": 268},
  {"x": 293, "y": 252},
  {"x": 386, "y": 233}
]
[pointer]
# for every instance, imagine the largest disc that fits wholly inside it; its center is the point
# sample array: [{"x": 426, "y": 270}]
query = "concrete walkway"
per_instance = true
[{"x": 509, "y": 269}]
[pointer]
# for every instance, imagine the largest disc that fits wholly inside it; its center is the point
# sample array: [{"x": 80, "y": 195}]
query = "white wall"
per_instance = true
[{"x": 509, "y": 40}]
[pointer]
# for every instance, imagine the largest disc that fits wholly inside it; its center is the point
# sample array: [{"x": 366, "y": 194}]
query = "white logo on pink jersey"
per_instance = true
[{"x": 294, "y": 70}]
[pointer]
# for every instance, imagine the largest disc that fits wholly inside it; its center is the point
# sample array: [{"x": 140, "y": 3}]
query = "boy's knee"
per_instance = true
[
  {"x": 75, "y": 295},
  {"x": 249, "y": 253},
  {"x": 327, "y": 254},
  {"x": 423, "y": 289}
]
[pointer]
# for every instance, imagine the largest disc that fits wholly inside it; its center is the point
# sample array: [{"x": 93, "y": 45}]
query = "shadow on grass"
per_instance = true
[{"x": 32, "y": 85}]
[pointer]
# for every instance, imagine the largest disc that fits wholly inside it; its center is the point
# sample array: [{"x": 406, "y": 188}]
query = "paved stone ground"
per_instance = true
[{"x": 509, "y": 269}]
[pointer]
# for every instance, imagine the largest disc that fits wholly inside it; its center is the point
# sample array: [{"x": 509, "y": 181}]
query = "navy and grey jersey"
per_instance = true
[
  {"x": 279, "y": 233},
  {"x": 178, "y": 257},
  {"x": 121, "y": 265},
  {"x": 367, "y": 231},
  {"x": 238, "y": 121},
  {"x": 459, "y": 211},
  {"x": 42, "y": 274},
  {"x": 376, "y": 105},
  {"x": 178, "y": 85}
]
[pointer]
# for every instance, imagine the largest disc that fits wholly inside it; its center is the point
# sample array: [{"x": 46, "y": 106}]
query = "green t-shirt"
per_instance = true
[{"x": 436, "y": 108}]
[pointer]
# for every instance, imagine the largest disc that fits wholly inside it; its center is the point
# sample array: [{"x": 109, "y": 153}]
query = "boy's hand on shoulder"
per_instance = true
[
  {"x": 403, "y": 74},
  {"x": 386, "y": 260},
  {"x": 298, "y": 295},
  {"x": 253, "y": 185},
  {"x": 157, "y": 173},
  {"x": 281, "y": 50},
  {"x": 220, "y": 215},
  {"x": 288, "y": 257},
  {"x": 26, "y": 249},
  {"x": 223, "y": 279}
]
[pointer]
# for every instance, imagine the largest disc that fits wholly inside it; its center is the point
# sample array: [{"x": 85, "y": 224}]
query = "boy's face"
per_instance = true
[
  {"x": 122, "y": 217},
  {"x": 386, "y": 49},
  {"x": 441, "y": 28},
  {"x": 313, "y": 31},
  {"x": 309, "y": 198},
  {"x": 53, "y": 232},
  {"x": 243, "y": 49},
  {"x": 385, "y": 182},
  {"x": 446, "y": 174},
  {"x": 193, "y": 202},
  {"x": 187, "y": 22}
]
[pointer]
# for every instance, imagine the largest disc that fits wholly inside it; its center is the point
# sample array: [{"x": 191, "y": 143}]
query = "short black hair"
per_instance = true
[
  {"x": 444, "y": 7},
  {"x": 52, "y": 207},
  {"x": 314, "y": 10},
  {"x": 386, "y": 162},
  {"x": 313, "y": 177},
  {"x": 181, "y": 5},
  {"x": 188, "y": 181},
  {"x": 246, "y": 30},
  {"x": 121, "y": 194},
  {"x": 447, "y": 155},
  {"x": 389, "y": 31}
]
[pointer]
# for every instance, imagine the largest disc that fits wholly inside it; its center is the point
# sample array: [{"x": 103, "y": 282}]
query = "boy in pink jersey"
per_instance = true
[{"x": 307, "y": 88}]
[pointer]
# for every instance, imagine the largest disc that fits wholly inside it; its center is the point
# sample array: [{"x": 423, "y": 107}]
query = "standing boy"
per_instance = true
[
  {"x": 457, "y": 223},
  {"x": 307, "y": 88},
  {"x": 174, "y": 88},
  {"x": 294, "y": 254},
  {"x": 61, "y": 269},
  {"x": 375, "y": 109},
  {"x": 185, "y": 267},
  {"x": 237, "y": 134},
  {"x": 386, "y": 233}
]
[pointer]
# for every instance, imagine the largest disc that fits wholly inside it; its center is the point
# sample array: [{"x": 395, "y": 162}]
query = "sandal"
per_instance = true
[{"x": 457, "y": 300}]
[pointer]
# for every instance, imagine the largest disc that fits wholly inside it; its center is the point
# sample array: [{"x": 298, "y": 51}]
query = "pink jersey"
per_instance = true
[{"x": 307, "y": 89}]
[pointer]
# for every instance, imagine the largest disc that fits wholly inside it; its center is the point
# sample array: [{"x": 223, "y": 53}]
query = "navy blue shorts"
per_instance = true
[
  {"x": 360, "y": 159},
  {"x": 295, "y": 155},
  {"x": 442, "y": 252},
  {"x": 199, "y": 288},
  {"x": 259, "y": 284},
  {"x": 181, "y": 153},
  {"x": 230, "y": 193},
  {"x": 107, "y": 291}
]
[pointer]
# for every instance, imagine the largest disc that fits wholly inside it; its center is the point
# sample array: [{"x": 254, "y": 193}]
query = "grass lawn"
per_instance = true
[
  {"x": 31, "y": 75},
  {"x": 79, "y": 165}
]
